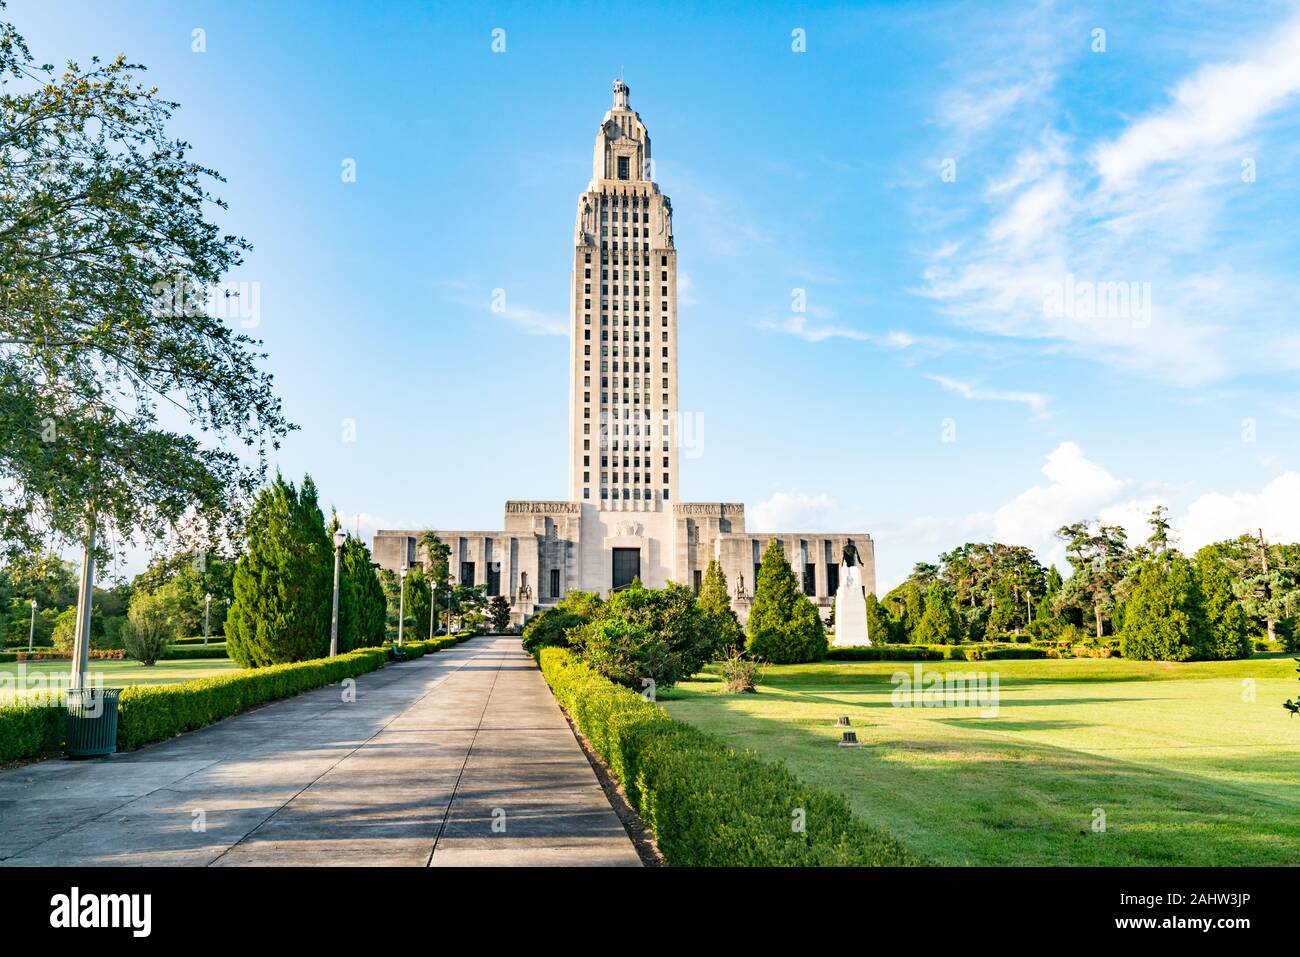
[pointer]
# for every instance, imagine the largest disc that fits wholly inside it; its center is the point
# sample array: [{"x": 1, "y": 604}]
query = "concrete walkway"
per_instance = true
[{"x": 457, "y": 758}]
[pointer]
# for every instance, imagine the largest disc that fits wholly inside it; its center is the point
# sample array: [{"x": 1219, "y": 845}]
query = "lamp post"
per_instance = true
[
  {"x": 401, "y": 605},
  {"x": 207, "y": 615},
  {"x": 433, "y": 606},
  {"x": 339, "y": 538},
  {"x": 32, "y": 633},
  {"x": 451, "y": 584}
]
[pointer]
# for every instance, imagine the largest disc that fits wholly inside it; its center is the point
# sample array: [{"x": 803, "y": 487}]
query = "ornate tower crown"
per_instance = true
[{"x": 622, "y": 144}]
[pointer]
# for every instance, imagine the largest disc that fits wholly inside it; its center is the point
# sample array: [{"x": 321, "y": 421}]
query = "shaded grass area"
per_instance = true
[
  {"x": 1190, "y": 764},
  {"x": 115, "y": 674}
]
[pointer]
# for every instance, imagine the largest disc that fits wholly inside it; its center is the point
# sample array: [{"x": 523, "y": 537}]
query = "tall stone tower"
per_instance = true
[
  {"x": 624, "y": 519},
  {"x": 623, "y": 369}
]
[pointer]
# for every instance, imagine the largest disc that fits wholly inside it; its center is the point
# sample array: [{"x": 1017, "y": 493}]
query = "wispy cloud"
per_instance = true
[
  {"x": 1036, "y": 401},
  {"x": 808, "y": 330},
  {"x": 1216, "y": 106},
  {"x": 1149, "y": 209},
  {"x": 498, "y": 302}
]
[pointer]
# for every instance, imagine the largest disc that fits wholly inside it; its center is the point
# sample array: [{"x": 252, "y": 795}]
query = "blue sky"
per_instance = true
[{"x": 928, "y": 175}]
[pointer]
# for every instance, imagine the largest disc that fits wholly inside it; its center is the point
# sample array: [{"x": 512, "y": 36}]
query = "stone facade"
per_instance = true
[{"x": 623, "y": 517}]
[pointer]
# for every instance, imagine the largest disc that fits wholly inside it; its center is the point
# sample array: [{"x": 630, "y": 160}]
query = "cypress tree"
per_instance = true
[
  {"x": 363, "y": 607},
  {"x": 283, "y": 583},
  {"x": 939, "y": 622},
  {"x": 716, "y": 605},
  {"x": 878, "y": 627},
  {"x": 913, "y": 609},
  {"x": 1164, "y": 618},
  {"x": 1229, "y": 628},
  {"x": 784, "y": 627}
]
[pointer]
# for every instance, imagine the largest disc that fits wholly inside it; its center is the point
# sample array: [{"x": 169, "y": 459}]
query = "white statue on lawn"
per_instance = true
[{"x": 850, "y": 601}]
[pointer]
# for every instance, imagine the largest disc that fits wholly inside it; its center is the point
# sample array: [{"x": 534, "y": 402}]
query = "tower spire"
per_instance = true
[{"x": 621, "y": 92}]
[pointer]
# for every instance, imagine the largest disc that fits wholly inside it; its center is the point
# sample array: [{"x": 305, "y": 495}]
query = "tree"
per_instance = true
[
  {"x": 419, "y": 602},
  {"x": 152, "y": 623},
  {"x": 716, "y": 605},
  {"x": 284, "y": 580},
  {"x": 646, "y": 637},
  {"x": 1164, "y": 616},
  {"x": 939, "y": 623},
  {"x": 1099, "y": 557},
  {"x": 784, "y": 627},
  {"x": 499, "y": 610},
  {"x": 878, "y": 627},
  {"x": 438, "y": 568},
  {"x": 1267, "y": 585},
  {"x": 1229, "y": 627},
  {"x": 1160, "y": 539},
  {"x": 363, "y": 612},
  {"x": 106, "y": 256},
  {"x": 624, "y": 652},
  {"x": 196, "y": 575}
]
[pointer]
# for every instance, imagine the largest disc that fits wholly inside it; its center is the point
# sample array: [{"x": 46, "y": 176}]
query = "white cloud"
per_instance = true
[
  {"x": 1077, "y": 488},
  {"x": 1036, "y": 401},
  {"x": 792, "y": 512},
  {"x": 534, "y": 321},
  {"x": 1148, "y": 209},
  {"x": 499, "y": 303},
  {"x": 1215, "y": 516},
  {"x": 798, "y": 325},
  {"x": 1214, "y": 107}
]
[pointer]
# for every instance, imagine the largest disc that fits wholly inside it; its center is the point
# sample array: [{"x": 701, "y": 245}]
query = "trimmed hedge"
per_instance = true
[
  {"x": 710, "y": 805},
  {"x": 417, "y": 649},
  {"x": 966, "y": 652},
  {"x": 33, "y": 728},
  {"x": 148, "y": 713},
  {"x": 180, "y": 652},
  {"x": 198, "y": 640},
  {"x": 991, "y": 654},
  {"x": 884, "y": 653}
]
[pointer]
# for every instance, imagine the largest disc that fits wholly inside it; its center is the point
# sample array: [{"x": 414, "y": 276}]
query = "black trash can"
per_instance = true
[{"x": 92, "y": 722}]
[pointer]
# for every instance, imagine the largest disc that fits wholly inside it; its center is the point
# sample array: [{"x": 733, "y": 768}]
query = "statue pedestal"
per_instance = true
[{"x": 850, "y": 609}]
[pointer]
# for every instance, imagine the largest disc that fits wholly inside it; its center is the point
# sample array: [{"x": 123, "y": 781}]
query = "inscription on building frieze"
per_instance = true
[
  {"x": 534, "y": 508},
  {"x": 709, "y": 508}
]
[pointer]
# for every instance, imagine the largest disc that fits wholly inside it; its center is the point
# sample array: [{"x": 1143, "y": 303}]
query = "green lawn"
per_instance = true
[
  {"x": 1187, "y": 770},
  {"x": 115, "y": 674}
]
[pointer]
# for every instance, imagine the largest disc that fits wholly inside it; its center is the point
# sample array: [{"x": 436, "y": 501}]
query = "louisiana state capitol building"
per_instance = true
[{"x": 624, "y": 517}]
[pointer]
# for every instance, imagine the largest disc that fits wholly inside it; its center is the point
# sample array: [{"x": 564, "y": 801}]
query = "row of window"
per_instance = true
[
  {"x": 636, "y": 478},
  {"x": 636, "y": 254},
  {"x": 636, "y": 276},
  {"x": 635, "y": 367},
  {"x": 628, "y": 494},
  {"x": 637, "y": 290},
  {"x": 636, "y": 461}
]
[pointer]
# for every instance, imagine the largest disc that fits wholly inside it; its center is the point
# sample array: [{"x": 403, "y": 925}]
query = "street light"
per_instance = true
[
  {"x": 207, "y": 615},
  {"x": 451, "y": 582},
  {"x": 401, "y": 605},
  {"x": 339, "y": 538},
  {"x": 433, "y": 601},
  {"x": 32, "y": 634}
]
